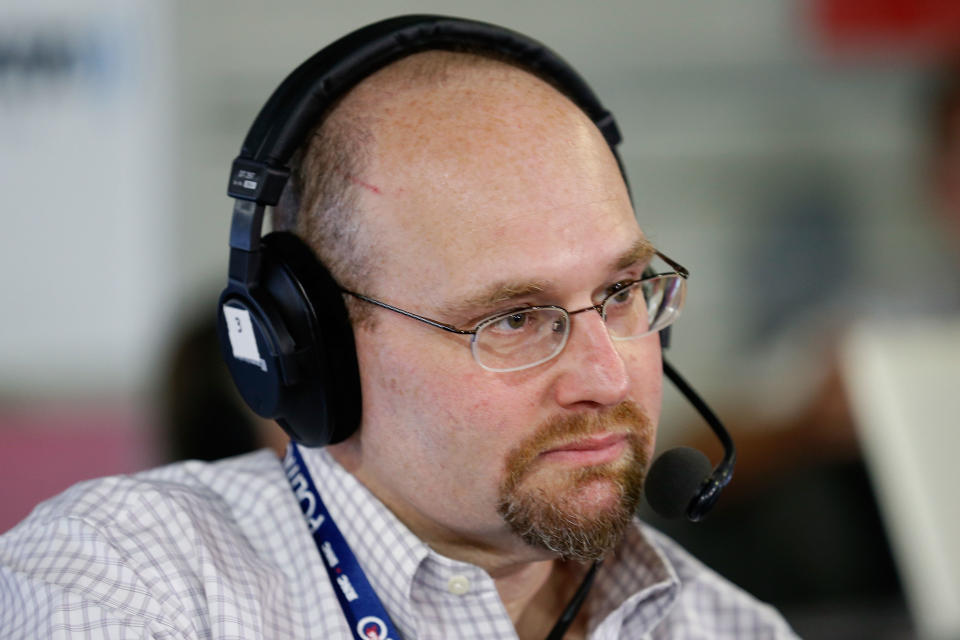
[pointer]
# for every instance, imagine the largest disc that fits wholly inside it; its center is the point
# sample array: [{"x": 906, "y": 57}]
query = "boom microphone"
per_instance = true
[
  {"x": 680, "y": 481},
  {"x": 674, "y": 478}
]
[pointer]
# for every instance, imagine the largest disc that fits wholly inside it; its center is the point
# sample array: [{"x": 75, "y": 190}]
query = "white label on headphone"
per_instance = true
[{"x": 242, "y": 339}]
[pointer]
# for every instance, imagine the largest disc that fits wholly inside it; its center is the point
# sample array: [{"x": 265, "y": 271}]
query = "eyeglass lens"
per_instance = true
[
  {"x": 527, "y": 337},
  {"x": 644, "y": 307},
  {"x": 521, "y": 338}
]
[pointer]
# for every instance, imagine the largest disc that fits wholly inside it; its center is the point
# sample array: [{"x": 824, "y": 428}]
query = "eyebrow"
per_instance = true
[
  {"x": 642, "y": 250},
  {"x": 506, "y": 290},
  {"x": 495, "y": 294}
]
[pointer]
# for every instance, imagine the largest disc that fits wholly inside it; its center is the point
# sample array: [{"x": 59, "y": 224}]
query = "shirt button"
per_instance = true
[{"x": 458, "y": 585}]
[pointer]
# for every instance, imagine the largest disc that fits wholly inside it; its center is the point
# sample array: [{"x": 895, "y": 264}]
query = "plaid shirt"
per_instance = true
[{"x": 221, "y": 550}]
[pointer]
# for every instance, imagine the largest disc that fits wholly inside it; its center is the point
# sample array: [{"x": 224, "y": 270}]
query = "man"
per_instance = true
[{"x": 487, "y": 475}]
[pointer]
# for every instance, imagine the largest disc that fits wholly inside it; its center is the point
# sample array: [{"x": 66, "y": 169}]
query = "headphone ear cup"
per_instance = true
[
  {"x": 323, "y": 407},
  {"x": 252, "y": 350},
  {"x": 308, "y": 378}
]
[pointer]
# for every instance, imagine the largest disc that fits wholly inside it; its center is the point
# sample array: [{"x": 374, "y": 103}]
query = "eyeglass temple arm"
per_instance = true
[
  {"x": 723, "y": 472},
  {"x": 679, "y": 268},
  {"x": 433, "y": 323}
]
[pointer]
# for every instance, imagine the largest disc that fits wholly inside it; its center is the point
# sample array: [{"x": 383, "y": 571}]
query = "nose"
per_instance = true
[{"x": 593, "y": 371}]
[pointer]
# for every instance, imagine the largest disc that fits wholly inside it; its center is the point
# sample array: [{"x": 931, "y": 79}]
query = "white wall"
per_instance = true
[{"x": 85, "y": 102}]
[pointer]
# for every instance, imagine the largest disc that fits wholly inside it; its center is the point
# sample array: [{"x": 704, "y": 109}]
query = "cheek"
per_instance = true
[
  {"x": 422, "y": 396},
  {"x": 645, "y": 367},
  {"x": 436, "y": 425}
]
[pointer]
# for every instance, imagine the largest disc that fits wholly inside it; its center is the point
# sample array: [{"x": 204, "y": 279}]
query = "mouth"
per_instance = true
[{"x": 593, "y": 450}]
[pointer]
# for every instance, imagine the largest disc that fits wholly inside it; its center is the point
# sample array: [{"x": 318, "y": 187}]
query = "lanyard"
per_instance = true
[{"x": 361, "y": 606}]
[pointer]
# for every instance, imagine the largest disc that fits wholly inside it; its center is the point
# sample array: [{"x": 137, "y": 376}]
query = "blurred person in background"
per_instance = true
[
  {"x": 944, "y": 173},
  {"x": 200, "y": 414}
]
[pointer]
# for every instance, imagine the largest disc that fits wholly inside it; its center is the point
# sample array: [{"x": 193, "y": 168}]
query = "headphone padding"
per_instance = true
[{"x": 327, "y": 389}]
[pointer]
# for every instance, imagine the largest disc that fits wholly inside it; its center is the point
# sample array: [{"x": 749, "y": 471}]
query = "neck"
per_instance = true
[
  {"x": 535, "y": 595},
  {"x": 534, "y": 592},
  {"x": 519, "y": 585},
  {"x": 536, "y": 609},
  {"x": 534, "y": 587}
]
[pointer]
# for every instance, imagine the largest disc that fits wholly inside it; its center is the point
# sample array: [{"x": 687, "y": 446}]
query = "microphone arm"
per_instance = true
[
  {"x": 710, "y": 489},
  {"x": 698, "y": 507}
]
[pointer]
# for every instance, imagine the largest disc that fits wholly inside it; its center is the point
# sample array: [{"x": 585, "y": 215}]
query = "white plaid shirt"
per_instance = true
[{"x": 221, "y": 550}]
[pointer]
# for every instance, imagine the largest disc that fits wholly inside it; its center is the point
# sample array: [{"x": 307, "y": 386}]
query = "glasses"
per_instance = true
[{"x": 528, "y": 336}]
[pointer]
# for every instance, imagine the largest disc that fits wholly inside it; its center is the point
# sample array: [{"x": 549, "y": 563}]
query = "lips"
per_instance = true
[{"x": 591, "y": 450}]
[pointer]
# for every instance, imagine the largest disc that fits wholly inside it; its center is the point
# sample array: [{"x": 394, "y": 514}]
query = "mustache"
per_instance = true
[{"x": 626, "y": 417}]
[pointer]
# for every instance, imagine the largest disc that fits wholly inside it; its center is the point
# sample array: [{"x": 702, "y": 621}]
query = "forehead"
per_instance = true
[
  {"x": 493, "y": 176},
  {"x": 499, "y": 292}
]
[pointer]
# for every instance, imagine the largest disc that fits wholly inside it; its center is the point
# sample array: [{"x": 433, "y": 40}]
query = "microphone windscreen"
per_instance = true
[{"x": 674, "y": 479}]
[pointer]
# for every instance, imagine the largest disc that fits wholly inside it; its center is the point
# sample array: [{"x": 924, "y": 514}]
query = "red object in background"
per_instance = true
[
  {"x": 45, "y": 450},
  {"x": 920, "y": 26}
]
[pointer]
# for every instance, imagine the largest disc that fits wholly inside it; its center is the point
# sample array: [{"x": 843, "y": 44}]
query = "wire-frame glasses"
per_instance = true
[{"x": 525, "y": 337}]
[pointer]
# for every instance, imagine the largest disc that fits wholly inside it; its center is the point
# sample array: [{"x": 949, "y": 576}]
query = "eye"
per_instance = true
[
  {"x": 523, "y": 323},
  {"x": 515, "y": 321},
  {"x": 621, "y": 292}
]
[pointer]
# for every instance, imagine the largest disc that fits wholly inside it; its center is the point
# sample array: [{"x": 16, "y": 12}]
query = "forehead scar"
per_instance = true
[{"x": 366, "y": 185}]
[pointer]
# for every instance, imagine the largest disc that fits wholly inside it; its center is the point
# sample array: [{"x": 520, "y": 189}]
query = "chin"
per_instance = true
[
  {"x": 582, "y": 516},
  {"x": 595, "y": 497}
]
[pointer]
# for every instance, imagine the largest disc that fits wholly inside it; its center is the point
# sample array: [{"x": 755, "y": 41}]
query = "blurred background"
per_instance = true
[{"x": 788, "y": 152}]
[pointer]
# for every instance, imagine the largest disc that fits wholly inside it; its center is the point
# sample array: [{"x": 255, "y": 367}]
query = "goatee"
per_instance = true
[{"x": 551, "y": 514}]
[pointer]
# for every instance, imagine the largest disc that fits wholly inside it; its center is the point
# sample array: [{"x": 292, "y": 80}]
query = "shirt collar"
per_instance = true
[
  {"x": 636, "y": 576},
  {"x": 636, "y": 586}
]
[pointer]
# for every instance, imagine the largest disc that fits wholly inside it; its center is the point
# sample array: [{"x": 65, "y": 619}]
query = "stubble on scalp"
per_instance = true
[
  {"x": 550, "y": 517},
  {"x": 323, "y": 200}
]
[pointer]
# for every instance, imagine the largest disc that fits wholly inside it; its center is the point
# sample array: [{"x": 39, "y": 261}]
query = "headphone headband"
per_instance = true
[{"x": 261, "y": 170}]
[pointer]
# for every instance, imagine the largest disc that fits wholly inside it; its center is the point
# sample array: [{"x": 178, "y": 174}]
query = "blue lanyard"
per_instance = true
[{"x": 361, "y": 606}]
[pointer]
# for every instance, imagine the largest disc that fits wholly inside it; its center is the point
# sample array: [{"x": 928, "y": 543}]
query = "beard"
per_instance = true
[{"x": 560, "y": 513}]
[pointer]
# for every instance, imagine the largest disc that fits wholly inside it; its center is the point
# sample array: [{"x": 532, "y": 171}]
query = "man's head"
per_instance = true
[{"x": 471, "y": 187}]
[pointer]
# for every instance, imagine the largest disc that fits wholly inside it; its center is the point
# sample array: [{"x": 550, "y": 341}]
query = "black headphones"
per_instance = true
[
  {"x": 303, "y": 369},
  {"x": 283, "y": 325}
]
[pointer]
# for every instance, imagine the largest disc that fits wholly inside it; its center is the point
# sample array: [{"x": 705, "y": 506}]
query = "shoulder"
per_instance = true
[
  {"x": 711, "y": 604},
  {"x": 166, "y": 548},
  {"x": 184, "y": 497}
]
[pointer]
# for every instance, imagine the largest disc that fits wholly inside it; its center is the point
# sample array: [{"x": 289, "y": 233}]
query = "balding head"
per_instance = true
[{"x": 455, "y": 111}]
